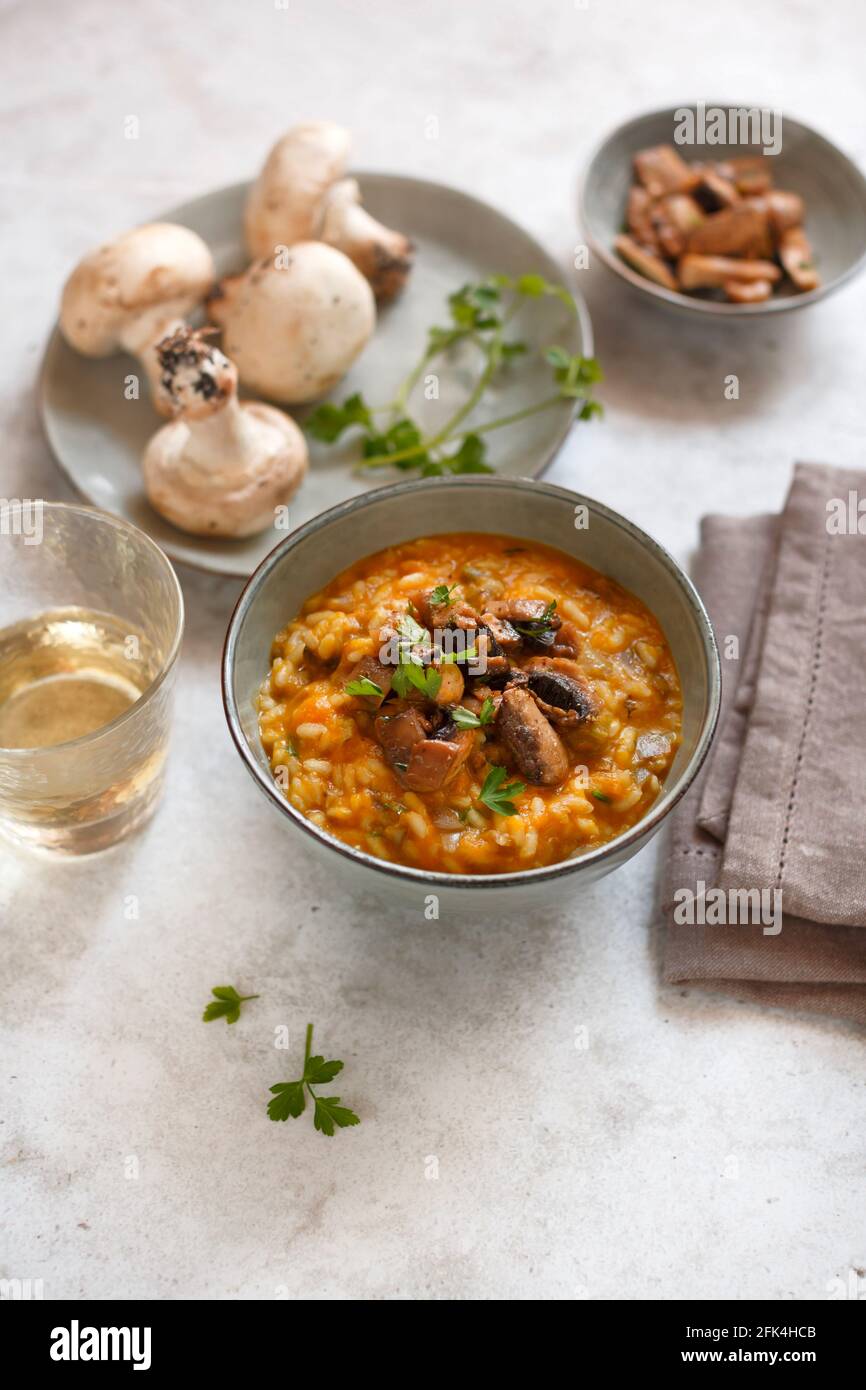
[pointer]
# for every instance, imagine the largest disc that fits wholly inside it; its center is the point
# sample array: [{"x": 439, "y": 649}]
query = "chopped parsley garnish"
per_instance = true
[
  {"x": 441, "y": 595},
  {"x": 465, "y": 719},
  {"x": 496, "y": 796},
  {"x": 534, "y": 627},
  {"x": 409, "y": 673},
  {"x": 600, "y": 796},
  {"x": 364, "y": 686}
]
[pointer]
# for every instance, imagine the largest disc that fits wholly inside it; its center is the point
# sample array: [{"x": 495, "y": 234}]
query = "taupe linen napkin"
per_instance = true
[{"x": 779, "y": 809}]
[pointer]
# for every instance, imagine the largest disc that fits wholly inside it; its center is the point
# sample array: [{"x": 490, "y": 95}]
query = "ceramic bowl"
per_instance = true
[
  {"x": 833, "y": 188},
  {"x": 311, "y": 556}
]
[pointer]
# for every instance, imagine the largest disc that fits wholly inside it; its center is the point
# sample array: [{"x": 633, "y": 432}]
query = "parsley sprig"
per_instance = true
[
  {"x": 496, "y": 796},
  {"x": 290, "y": 1097},
  {"x": 226, "y": 1004},
  {"x": 478, "y": 314},
  {"x": 363, "y": 686},
  {"x": 465, "y": 719}
]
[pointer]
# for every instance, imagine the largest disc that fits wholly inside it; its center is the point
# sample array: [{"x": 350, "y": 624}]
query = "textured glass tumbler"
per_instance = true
[{"x": 91, "y": 620}]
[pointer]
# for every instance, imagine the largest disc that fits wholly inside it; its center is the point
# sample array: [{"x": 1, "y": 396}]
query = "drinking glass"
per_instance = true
[{"x": 91, "y": 620}]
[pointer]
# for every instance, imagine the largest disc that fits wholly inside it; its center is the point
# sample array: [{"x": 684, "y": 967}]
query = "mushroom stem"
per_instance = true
[
  {"x": 142, "y": 336},
  {"x": 221, "y": 467},
  {"x": 383, "y": 255}
]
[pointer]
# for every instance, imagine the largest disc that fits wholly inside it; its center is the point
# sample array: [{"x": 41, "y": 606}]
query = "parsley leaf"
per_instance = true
[
  {"x": 328, "y": 421},
  {"x": 403, "y": 434},
  {"x": 413, "y": 632},
  {"x": 575, "y": 375},
  {"x": 226, "y": 1004},
  {"x": 469, "y": 458},
  {"x": 465, "y": 719},
  {"x": 409, "y": 673},
  {"x": 600, "y": 796},
  {"x": 534, "y": 627},
  {"x": 498, "y": 797},
  {"x": 290, "y": 1097},
  {"x": 364, "y": 686},
  {"x": 440, "y": 597},
  {"x": 330, "y": 1112}
]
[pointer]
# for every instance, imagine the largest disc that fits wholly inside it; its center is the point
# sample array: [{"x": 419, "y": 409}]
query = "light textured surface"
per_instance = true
[{"x": 696, "y": 1146}]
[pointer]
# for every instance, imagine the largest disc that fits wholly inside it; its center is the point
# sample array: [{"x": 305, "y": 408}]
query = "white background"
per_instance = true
[{"x": 698, "y": 1146}]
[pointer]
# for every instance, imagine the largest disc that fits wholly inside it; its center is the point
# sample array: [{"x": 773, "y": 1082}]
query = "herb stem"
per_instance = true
[
  {"x": 308, "y": 1046},
  {"x": 381, "y": 460}
]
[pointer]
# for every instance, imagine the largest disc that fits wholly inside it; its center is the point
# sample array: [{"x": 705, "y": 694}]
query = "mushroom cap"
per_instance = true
[
  {"x": 236, "y": 503},
  {"x": 283, "y": 204},
  {"x": 295, "y": 329},
  {"x": 160, "y": 263}
]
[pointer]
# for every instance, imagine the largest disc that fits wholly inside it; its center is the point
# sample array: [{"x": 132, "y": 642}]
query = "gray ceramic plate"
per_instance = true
[
  {"x": 98, "y": 437},
  {"x": 832, "y": 186}
]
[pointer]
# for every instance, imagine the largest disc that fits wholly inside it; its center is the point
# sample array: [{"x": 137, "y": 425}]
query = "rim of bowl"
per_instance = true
[
  {"x": 477, "y": 882},
  {"x": 708, "y": 306},
  {"x": 166, "y": 665}
]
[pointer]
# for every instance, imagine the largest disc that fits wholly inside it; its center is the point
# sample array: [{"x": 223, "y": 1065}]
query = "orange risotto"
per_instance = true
[{"x": 471, "y": 704}]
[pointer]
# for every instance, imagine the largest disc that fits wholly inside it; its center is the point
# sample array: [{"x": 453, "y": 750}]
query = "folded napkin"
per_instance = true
[{"x": 764, "y": 888}]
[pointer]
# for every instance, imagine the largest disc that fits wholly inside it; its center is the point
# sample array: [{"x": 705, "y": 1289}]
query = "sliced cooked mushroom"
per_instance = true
[
  {"x": 399, "y": 732},
  {"x": 221, "y": 467},
  {"x": 738, "y": 231},
  {"x": 748, "y": 291},
  {"x": 371, "y": 669},
  {"x": 662, "y": 170},
  {"x": 533, "y": 743},
  {"x": 450, "y": 690},
  {"x": 505, "y": 635},
  {"x": 713, "y": 190},
  {"x": 796, "y": 255},
  {"x": 435, "y": 761},
  {"x": 422, "y": 759},
  {"x": 645, "y": 262},
  {"x": 785, "y": 210},
  {"x": 456, "y": 613},
  {"x": 711, "y": 272},
  {"x": 132, "y": 292},
  {"x": 750, "y": 174},
  {"x": 560, "y": 697},
  {"x": 639, "y": 219},
  {"x": 525, "y": 611},
  {"x": 683, "y": 211}
]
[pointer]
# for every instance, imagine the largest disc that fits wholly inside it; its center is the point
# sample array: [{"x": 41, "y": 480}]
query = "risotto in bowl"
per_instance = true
[{"x": 472, "y": 684}]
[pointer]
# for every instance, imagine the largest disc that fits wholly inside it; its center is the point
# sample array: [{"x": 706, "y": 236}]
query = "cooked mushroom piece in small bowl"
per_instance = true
[
  {"x": 725, "y": 229},
  {"x": 495, "y": 702}
]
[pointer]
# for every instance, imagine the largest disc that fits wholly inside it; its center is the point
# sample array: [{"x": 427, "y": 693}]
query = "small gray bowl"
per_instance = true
[
  {"x": 314, "y": 554},
  {"x": 833, "y": 188}
]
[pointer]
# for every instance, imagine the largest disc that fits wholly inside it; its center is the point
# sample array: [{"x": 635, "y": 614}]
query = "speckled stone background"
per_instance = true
[{"x": 695, "y": 1146}]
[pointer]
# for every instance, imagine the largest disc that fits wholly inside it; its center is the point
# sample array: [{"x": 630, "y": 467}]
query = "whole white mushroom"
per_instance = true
[
  {"x": 301, "y": 195},
  {"x": 284, "y": 202},
  {"x": 132, "y": 292},
  {"x": 295, "y": 327},
  {"x": 221, "y": 467}
]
